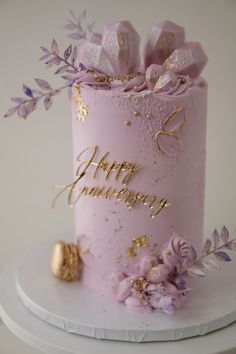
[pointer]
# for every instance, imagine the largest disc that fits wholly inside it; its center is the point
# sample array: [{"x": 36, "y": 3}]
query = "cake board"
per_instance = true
[
  {"x": 77, "y": 309},
  {"x": 49, "y": 339}
]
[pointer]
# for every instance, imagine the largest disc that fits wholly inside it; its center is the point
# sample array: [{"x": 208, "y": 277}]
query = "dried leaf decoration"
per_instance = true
[
  {"x": 207, "y": 246},
  {"x": 196, "y": 272},
  {"x": 222, "y": 256},
  {"x": 224, "y": 234},
  {"x": 210, "y": 264},
  {"x": 167, "y": 139},
  {"x": 67, "y": 62},
  {"x": 215, "y": 238}
]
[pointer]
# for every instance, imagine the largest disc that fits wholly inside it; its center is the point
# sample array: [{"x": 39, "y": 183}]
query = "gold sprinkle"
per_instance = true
[
  {"x": 131, "y": 252},
  {"x": 168, "y": 253},
  {"x": 128, "y": 123},
  {"x": 140, "y": 241},
  {"x": 148, "y": 116},
  {"x": 136, "y": 113},
  {"x": 137, "y": 242}
]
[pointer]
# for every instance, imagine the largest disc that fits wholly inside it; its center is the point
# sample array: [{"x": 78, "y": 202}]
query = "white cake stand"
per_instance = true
[{"x": 212, "y": 306}]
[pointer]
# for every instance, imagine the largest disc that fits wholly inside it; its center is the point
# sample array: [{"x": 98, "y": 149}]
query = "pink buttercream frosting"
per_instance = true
[{"x": 129, "y": 128}]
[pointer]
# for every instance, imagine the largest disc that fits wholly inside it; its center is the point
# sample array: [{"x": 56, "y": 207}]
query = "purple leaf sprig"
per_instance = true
[
  {"x": 26, "y": 105},
  {"x": 69, "y": 59},
  {"x": 217, "y": 246},
  {"x": 77, "y": 27},
  {"x": 68, "y": 67}
]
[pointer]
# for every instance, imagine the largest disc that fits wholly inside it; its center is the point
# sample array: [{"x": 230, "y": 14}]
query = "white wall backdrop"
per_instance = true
[{"x": 37, "y": 154}]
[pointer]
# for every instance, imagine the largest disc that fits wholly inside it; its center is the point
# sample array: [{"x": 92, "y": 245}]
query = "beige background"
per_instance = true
[{"x": 37, "y": 154}]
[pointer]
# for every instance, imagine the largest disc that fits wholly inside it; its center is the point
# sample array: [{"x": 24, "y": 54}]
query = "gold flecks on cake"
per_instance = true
[
  {"x": 131, "y": 252},
  {"x": 82, "y": 108},
  {"x": 128, "y": 123},
  {"x": 136, "y": 113},
  {"x": 109, "y": 79},
  {"x": 137, "y": 242},
  {"x": 140, "y": 241}
]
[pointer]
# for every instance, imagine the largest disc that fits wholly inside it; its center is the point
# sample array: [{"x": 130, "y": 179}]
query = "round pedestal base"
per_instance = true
[{"x": 80, "y": 310}]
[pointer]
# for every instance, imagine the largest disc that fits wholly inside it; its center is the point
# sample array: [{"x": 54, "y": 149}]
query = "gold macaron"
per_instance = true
[{"x": 65, "y": 262}]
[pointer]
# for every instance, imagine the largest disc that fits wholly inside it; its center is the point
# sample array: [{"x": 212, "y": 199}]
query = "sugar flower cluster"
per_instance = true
[{"x": 160, "y": 281}]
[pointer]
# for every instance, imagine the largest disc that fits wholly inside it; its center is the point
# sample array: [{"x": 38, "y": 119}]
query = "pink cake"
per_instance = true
[
  {"x": 117, "y": 124},
  {"x": 139, "y": 148}
]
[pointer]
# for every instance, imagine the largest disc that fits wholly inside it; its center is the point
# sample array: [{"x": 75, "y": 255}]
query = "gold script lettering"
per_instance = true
[{"x": 125, "y": 169}]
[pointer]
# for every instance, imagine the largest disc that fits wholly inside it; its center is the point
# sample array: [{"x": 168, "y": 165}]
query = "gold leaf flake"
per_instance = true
[{"x": 82, "y": 108}]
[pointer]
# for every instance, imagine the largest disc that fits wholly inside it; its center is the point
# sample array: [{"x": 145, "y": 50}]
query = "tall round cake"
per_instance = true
[
  {"x": 139, "y": 148},
  {"x": 141, "y": 181}
]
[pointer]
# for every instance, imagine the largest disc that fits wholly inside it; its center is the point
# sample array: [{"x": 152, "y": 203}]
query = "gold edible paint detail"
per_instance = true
[
  {"x": 137, "y": 242},
  {"x": 82, "y": 108},
  {"x": 119, "y": 171},
  {"x": 121, "y": 38},
  {"x": 169, "y": 133},
  {"x": 109, "y": 79}
]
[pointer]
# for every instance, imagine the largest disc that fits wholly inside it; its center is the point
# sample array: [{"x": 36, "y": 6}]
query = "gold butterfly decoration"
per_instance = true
[{"x": 168, "y": 133}]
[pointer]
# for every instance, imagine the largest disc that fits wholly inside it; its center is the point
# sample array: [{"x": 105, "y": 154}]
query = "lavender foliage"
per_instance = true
[
  {"x": 213, "y": 247},
  {"x": 77, "y": 27},
  {"x": 68, "y": 68}
]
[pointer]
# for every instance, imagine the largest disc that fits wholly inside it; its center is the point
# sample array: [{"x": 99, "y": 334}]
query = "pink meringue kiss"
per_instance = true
[
  {"x": 158, "y": 274},
  {"x": 153, "y": 73}
]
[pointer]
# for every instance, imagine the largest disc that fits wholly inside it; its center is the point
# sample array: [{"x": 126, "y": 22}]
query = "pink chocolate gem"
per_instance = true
[
  {"x": 162, "y": 40},
  {"x": 189, "y": 59},
  {"x": 121, "y": 44},
  {"x": 93, "y": 56}
]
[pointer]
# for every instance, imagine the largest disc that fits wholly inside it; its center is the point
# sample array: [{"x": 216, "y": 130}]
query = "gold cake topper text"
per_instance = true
[{"x": 122, "y": 172}]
